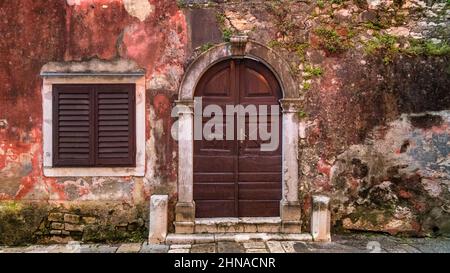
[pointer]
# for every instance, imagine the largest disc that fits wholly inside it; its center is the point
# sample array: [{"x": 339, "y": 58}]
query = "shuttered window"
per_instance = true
[{"x": 94, "y": 125}]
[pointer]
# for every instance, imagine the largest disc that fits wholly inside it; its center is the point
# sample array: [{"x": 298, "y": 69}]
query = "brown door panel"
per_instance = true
[
  {"x": 234, "y": 178},
  {"x": 214, "y": 164},
  {"x": 263, "y": 208},
  {"x": 214, "y": 208},
  {"x": 217, "y": 177},
  {"x": 214, "y": 191},
  {"x": 259, "y": 164}
]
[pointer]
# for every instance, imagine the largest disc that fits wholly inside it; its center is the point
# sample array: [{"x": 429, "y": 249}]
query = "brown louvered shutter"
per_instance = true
[
  {"x": 115, "y": 125},
  {"x": 73, "y": 135},
  {"x": 94, "y": 125}
]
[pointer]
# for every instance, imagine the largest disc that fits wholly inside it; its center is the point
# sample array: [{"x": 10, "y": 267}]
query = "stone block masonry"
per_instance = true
[
  {"x": 62, "y": 227},
  {"x": 62, "y": 223}
]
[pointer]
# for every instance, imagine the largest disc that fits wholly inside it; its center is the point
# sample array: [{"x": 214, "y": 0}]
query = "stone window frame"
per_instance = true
[
  {"x": 291, "y": 104},
  {"x": 53, "y": 76}
]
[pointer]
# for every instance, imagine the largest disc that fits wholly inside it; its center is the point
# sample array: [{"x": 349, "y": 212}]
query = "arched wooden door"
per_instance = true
[{"x": 235, "y": 178}]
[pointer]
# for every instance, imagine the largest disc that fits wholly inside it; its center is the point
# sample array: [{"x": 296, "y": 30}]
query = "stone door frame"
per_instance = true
[{"x": 239, "y": 47}]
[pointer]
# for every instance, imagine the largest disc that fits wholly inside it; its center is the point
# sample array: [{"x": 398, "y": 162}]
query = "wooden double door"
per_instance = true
[{"x": 235, "y": 178}]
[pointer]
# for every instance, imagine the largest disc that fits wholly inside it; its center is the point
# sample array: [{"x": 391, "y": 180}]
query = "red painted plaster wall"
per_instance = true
[{"x": 35, "y": 32}]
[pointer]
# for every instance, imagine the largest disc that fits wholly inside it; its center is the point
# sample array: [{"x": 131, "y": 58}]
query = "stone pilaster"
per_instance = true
[
  {"x": 185, "y": 208},
  {"x": 290, "y": 205}
]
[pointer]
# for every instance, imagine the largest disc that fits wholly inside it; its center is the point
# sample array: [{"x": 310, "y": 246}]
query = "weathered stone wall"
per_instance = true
[
  {"x": 374, "y": 78},
  {"x": 397, "y": 180},
  {"x": 364, "y": 68}
]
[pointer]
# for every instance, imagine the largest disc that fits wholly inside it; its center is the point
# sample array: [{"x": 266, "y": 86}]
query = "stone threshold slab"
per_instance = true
[
  {"x": 240, "y": 220},
  {"x": 173, "y": 238},
  {"x": 238, "y": 225}
]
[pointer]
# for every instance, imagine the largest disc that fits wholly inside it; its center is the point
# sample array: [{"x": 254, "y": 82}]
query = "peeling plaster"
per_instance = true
[
  {"x": 140, "y": 9},
  {"x": 3, "y": 123},
  {"x": 73, "y": 2},
  {"x": 413, "y": 175},
  {"x": 159, "y": 82},
  {"x": 95, "y": 189},
  {"x": 150, "y": 147}
]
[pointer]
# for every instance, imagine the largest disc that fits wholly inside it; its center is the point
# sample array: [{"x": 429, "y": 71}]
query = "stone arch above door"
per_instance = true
[
  {"x": 239, "y": 47},
  {"x": 250, "y": 49}
]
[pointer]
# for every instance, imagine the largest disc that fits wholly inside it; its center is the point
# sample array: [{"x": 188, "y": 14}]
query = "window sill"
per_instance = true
[{"x": 83, "y": 172}]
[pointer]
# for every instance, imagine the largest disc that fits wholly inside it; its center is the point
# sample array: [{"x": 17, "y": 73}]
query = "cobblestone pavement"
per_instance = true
[{"x": 356, "y": 243}]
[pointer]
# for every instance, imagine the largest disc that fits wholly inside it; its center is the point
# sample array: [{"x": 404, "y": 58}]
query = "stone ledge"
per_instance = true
[
  {"x": 189, "y": 238},
  {"x": 238, "y": 225},
  {"x": 234, "y": 237},
  {"x": 92, "y": 67},
  {"x": 234, "y": 220},
  {"x": 138, "y": 171}
]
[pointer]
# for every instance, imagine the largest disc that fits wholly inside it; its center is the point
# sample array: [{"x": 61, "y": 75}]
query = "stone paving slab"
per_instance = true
[
  {"x": 402, "y": 248},
  {"x": 431, "y": 246},
  {"x": 153, "y": 248},
  {"x": 329, "y": 247},
  {"x": 230, "y": 247},
  {"x": 204, "y": 248},
  {"x": 129, "y": 248},
  {"x": 288, "y": 246},
  {"x": 353, "y": 243},
  {"x": 179, "y": 250},
  {"x": 256, "y": 250},
  {"x": 255, "y": 245},
  {"x": 50, "y": 249},
  {"x": 275, "y": 247},
  {"x": 98, "y": 248},
  {"x": 180, "y": 246}
]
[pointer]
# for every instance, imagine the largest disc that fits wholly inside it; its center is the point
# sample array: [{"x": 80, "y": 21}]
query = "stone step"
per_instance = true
[
  {"x": 238, "y": 225},
  {"x": 196, "y": 238}
]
